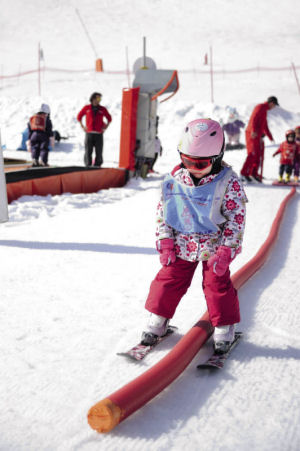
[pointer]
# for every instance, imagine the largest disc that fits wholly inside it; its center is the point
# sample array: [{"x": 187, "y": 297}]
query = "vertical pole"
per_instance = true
[
  {"x": 127, "y": 68},
  {"x": 144, "y": 52},
  {"x": 39, "y": 70},
  {"x": 86, "y": 32},
  {"x": 211, "y": 76},
  {"x": 296, "y": 77}
]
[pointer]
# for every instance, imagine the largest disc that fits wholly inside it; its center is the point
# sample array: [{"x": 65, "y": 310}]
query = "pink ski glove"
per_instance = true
[
  {"x": 221, "y": 260},
  {"x": 167, "y": 252}
]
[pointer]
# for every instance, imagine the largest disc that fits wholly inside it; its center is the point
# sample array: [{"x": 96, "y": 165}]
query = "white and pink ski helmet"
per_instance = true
[{"x": 202, "y": 138}]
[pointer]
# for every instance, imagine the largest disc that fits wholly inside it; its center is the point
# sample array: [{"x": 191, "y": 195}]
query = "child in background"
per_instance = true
[
  {"x": 232, "y": 128},
  {"x": 297, "y": 156},
  {"x": 287, "y": 151},
  {"x": 39, "y": 135},
  {"x": 200, "y": 217}
]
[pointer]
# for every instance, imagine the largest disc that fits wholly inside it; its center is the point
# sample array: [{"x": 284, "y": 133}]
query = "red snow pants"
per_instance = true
[
  {"x": 254, "y": 149},
  {"x": 173, "y": 281}
]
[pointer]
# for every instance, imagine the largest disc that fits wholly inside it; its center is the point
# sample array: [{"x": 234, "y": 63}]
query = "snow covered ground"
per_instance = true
[{"x": 76, "y": 269}]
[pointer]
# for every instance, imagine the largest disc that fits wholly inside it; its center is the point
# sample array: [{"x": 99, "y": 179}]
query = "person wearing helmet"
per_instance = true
[
  {"x": 287, "y": 151},
  {"x": 200, "y": 217},
  {"x": 45, "y": 108},
  {"x": 257, "y": 128},
  {"x": 297, "y": 156},
  {"x": 39, "y": 135},
  {"x": 97, "y": 119}
]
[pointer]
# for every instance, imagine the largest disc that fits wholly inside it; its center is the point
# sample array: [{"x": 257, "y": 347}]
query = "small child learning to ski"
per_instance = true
[
  {"x": 287, "y": 151},
  {"x": 200, "y": 217},
  {"x": 232, "y": 128},
  {"x": 40, "y": 134}
]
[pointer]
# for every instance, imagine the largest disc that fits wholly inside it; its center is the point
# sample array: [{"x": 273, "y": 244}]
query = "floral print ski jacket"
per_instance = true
[{"x": 195, "y": 247}]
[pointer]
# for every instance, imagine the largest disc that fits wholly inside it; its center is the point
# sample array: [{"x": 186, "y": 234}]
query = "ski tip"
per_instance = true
[
  {"x": 209, "y": 366},
  {"x": 139, "y": 351},
  {"x": 131, "y": 357}
]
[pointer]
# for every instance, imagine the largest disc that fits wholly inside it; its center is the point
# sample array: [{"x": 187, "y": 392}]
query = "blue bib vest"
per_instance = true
[{"x": 195, "y": 209}]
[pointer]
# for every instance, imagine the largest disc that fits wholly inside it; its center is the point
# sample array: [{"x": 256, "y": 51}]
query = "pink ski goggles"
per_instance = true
[{"x": 196, "y": 163}]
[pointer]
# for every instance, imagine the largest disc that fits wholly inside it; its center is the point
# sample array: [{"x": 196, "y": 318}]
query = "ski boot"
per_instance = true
[
  {"x": 280, "y": 179},
  {"x": 296, "y": 178},
  {"x": 246, "y": 178},
  {"x": 157, "y": 327},
  {"x": 223, "y": 337},
  {"x": 43, "y": 164},
  {"x": 257, "y": 178}
]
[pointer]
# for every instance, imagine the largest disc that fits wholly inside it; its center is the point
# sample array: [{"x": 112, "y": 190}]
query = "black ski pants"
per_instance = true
[
  {"x": 93, "y": 140},
  {"x": 39, "y": 146}
]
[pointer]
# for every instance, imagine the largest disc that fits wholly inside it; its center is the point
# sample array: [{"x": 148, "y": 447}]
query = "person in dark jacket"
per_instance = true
[
  {"x": 39, "y": 135},
  {"x": 97, "y": 119}
]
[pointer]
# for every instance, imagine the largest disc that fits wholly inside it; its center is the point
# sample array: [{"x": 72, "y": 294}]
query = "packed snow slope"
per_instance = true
[{"x": 76, "y": 269}]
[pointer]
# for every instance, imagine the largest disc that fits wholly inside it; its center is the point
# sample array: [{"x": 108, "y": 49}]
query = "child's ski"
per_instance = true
[
  {"x": 291, "y": 183},
  {"x": 140, "y": 351},
  {"x": 218, "y": 360}
]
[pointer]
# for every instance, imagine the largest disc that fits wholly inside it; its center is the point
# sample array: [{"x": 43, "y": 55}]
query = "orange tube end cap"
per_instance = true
[{"x": 104, "y": 416}]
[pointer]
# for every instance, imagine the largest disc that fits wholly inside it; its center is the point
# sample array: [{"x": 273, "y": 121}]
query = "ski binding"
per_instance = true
[
  {"x": 139, "y": 351},
  {"x": 218, "y": 360}
]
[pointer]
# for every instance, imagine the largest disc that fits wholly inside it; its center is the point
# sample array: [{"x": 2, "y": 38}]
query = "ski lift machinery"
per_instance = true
[{"x": 139, "y": 121}]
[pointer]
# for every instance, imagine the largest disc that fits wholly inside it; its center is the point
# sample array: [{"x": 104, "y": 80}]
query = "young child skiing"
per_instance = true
[
  {"x": 200, "y": 217},
  {"x": 232, "y": 128},
  {"x": 297, "y": 156},
  {"x": 39, "y": 134},
  {"x": 287, "y": 151}
]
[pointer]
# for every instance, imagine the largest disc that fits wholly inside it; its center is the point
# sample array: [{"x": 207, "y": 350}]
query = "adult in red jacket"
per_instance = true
[
  {"x": 94, "y": 127},
  {"x": 256, "y": 129}
]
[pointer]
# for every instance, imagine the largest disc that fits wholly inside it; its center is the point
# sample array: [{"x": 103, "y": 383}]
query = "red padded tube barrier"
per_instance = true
[
  {"x": 109, "y": 412},
  {"x": 253, "y": 265},
  {"x": 73, "y": 182}
]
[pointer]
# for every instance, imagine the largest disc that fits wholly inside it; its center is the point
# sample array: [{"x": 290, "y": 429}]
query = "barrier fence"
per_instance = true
[
  {"x": 211, "y": 71},
  {"x": 292, "y": 67}
]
